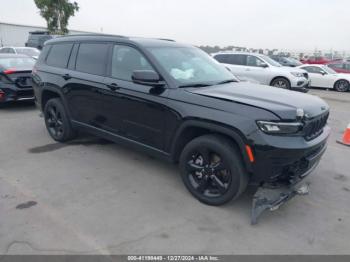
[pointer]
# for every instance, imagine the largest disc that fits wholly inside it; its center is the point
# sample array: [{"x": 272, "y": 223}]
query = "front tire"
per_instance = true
[
  {"x": 211, "y": 169},
  {"x": 281, "y": 82},
  {"x": 341, "y": 85},
  {"x": 57, "y": 121}
]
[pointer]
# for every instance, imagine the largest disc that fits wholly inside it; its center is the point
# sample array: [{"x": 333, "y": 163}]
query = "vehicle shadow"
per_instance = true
[{"x": 17, "y": 106}]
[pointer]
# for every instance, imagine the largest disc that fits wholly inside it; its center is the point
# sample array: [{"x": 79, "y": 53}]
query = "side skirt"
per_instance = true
[{"x": 122, "y": 140}]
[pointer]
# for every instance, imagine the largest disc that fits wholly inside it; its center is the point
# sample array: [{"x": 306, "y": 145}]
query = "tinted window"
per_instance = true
[
  {"x": 59, "y": 55},
  {"x": 3, "y": 50},
  {"x": 92, "y": 58},
  {"x": 313, "y": 69},
  {"x": 339, "y": 66},
  {"x": 125, "y": 60},
  {"x": 254, "y": 61},
  {"x": 221, "y": 58},
  {"x": 237, "y": 59}
]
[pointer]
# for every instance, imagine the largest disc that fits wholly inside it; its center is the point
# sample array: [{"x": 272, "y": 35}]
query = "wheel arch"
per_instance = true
[
  {"x": 276, "y": 77},
  {"x": 341, "y": 79},
  {"x": 192, "y": 129}
]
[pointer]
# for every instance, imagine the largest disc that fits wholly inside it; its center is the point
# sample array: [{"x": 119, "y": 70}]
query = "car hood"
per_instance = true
[{"x": 283, "y": 103}]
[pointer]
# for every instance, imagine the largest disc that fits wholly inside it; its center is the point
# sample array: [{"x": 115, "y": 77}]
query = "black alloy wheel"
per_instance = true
[
  {"x": 57, "y": 121},
  {"x": 212, "y": 170}
]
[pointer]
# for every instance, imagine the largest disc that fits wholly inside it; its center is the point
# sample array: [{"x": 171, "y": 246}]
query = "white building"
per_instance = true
[{"x": 17, "y": 34}]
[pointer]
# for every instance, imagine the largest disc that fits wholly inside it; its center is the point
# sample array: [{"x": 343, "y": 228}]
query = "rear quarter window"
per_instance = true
[{"x": 59, "y": 55}]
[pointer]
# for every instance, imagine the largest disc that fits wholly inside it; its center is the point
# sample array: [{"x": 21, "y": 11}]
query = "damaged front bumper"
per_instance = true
[{"x": 271, "y": 196}]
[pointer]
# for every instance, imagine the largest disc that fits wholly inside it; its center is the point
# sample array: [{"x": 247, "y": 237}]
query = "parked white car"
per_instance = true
[
  {"x": 263, "y": 69},
  {"x": 325, "y": 77},
  {"x": 28, "y": 51}
]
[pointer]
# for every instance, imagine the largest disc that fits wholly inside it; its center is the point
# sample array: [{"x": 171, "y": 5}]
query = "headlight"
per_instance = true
[
  {"x": 297, "y": 74},
  {"x": 279, "y": 127}
]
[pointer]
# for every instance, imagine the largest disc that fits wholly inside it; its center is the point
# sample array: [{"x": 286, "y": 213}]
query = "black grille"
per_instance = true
[
  {"x": 306, "y": 75},
  {"x": 314, "y": 127}
]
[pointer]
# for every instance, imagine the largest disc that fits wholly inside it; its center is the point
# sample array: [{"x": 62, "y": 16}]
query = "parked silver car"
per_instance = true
[
  {"x": 264, "y": 70},
  {"x": 28, "y": 51}
]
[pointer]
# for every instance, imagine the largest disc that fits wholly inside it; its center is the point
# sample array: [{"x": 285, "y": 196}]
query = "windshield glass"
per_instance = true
[
  {"x": 18, "y": 63},
  {"x": 28, "y": 51},
  {"x": 328, "y": 70},
  {"x": 294, "y": 61},
  {"x": 190, "y": 65},
  {"x": 270, "y": 61}
]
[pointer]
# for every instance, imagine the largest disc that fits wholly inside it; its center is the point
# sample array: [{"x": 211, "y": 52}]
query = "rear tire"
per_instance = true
[
  {"x": 341, "y": 86},
  {"x": 212, "y": 170},
  {"x": 281, "y": 82},
  {"x": 57, "y": 121}
]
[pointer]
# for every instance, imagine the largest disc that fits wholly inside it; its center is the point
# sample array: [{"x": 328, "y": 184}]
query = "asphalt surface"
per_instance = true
[{"x": 96, "y": 197}]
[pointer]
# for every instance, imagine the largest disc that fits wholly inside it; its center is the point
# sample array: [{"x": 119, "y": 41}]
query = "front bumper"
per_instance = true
[
  {"x": 300, "y": 84},
  {"x": 280, "y": 173},
  {"x": 285, "y": 160},
  {"x": 17, "y": 94}
]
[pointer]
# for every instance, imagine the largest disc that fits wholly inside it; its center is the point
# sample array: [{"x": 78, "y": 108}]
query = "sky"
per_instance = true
[{"x": 296, "y": 25}]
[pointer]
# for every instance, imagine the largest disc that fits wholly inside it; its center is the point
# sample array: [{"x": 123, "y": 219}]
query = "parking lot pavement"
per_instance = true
[{"x": 95, "y": 197}]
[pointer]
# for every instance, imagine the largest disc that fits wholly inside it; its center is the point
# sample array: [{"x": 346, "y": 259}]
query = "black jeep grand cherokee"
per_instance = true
[{"x": 176, "y": 102}]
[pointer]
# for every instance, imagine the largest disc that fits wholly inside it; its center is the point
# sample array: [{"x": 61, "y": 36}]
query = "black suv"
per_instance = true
[
  {"x": 176, "y": 102},
  {"x": 37, "y": 39}
]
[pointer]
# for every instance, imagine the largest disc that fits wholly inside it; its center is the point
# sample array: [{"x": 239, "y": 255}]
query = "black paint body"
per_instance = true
[{"x": 162, "y": 119}]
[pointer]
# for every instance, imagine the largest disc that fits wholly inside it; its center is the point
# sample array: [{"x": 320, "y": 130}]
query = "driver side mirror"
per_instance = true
[
  {"x": 147, "y": 77},
  {"x": 263, "y": 65},
  {"x": 323, "y": 73}
]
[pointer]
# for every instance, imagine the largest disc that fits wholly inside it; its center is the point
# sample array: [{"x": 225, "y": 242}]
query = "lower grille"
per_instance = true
[{"x": 314, "y": 127}]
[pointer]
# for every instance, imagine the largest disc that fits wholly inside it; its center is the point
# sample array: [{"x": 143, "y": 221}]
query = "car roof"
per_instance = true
[
  {"x": 237, "y": 53},
  {"x": 147, "y": 42},
  {"x": 12, "y": 56}
]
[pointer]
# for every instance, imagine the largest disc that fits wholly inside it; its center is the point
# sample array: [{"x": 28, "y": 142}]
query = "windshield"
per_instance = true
[
  {"x": 28, "y": 51},
  {"x": 270, "y": 61},
  {"x": 190, "y": 65},
  {"x": 18, "y": 63},
  {"x": 294, "y": 61},
  {"x": 329, "y": 70}
]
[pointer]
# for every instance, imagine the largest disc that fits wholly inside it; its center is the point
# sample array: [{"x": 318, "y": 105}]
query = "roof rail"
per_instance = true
[
  {"x": 166, "y": 39},
  {"x": 95, "y": 34}
]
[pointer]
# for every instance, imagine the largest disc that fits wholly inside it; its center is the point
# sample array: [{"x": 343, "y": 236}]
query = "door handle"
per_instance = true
[
  {"x": 66, "y": 76},
  {"x": 113, "y": 86}
]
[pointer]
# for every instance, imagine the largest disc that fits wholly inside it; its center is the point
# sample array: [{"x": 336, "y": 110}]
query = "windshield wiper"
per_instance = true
[
  {"x": 194, "y": 85},
  {"x": 227, "y": 81}
]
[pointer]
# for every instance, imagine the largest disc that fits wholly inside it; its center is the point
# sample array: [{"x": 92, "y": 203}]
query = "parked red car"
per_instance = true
[
  {"x": 340, "y": 67},
  {"x": 316, "y": 60}
]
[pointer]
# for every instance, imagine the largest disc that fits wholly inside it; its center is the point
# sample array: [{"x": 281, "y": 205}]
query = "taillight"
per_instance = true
[
  {"x": 2, "y": 95},
  {"x": 9, "y": 71}
]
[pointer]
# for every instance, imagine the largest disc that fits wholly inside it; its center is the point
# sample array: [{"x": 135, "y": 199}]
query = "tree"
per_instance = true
[{"x": 57, "y": 13}]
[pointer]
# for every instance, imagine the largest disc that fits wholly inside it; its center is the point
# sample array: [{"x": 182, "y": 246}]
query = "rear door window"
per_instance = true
[
  {"x": 222, "y": 58},
  {"x": 237, "y": 59},
  {"x": 59, "y": 55},
  {"x": 92, "y": 58}
]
